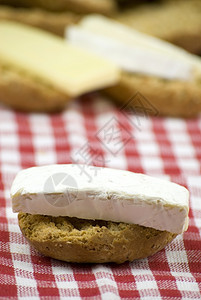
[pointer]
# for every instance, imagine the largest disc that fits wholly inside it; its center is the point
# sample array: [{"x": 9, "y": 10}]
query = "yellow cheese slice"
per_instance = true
[{"x": 50, "y": 58}]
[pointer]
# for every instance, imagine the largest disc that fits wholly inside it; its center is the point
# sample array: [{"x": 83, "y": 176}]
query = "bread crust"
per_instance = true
[
  {"x": 168, "y": 97},
  {"x": 78, "y": 6},
  {"x": 168, "y": 20},
  {"x": 87, "y": 241},
  {"x": 53, "y": 16},
  {"x": 54, "y": 22},
  {"x": 23, "y": 93}
]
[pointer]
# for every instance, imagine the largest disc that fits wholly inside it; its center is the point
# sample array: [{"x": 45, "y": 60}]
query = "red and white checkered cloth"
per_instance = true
[{"x": 94, "y": 131}]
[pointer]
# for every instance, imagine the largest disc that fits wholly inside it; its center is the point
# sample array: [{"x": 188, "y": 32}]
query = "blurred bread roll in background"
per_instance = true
[{"x": 178, "y": 22}]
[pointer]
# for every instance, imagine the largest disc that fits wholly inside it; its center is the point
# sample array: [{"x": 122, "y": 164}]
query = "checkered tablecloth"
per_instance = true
[{"x": 93, "y": 131}]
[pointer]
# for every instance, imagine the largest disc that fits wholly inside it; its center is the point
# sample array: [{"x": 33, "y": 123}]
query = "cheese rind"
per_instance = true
[
  {"x": 51, "y": 59},
  {"x": 101, "y": 193}
]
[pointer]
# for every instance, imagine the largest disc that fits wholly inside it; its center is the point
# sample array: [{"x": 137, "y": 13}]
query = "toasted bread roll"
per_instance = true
[
  {"x": 88, "y": 241},
  {"x": 25, "y": 93},
  {"x": 178, "y": 22},
  {"x": 78, "y": 6},
  {"x": 167, "y": 97},
  {"x": 55, "y": 22}
]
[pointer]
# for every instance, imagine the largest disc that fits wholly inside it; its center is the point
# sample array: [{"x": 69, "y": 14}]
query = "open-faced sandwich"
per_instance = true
[
  {"x": 40, "y": 71},
  {"x": 168, "y": 77},
  {"x": 86, "y": 214}
]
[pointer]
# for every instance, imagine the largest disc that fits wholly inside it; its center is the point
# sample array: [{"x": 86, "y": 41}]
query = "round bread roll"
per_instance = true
[
  {"x": 28, "y": 94},
  {"x": 172, "y": 98},
  {"x": 77, "y": 6},
  {"x": 55, "y": 22},
  {"x": 91, "y": 241}
]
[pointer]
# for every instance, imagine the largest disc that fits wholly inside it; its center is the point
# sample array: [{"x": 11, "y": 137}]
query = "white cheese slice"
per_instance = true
[
  {"x": 131, "y": 50},
  {"x": 101, "y": 193},
  {"x": 50, "y": 58}
]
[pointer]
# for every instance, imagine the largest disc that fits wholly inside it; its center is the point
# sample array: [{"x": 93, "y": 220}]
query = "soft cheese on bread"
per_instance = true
[
  {"x": 90, "y": 192},
  {"x": 52, "y": 60},
  {"x": 166, "y": 76},
  {"x": 131, "y": 50}
]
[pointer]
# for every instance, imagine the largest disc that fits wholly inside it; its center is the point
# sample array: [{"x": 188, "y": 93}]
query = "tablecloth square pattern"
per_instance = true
[{"x": 93, "y": 131}]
